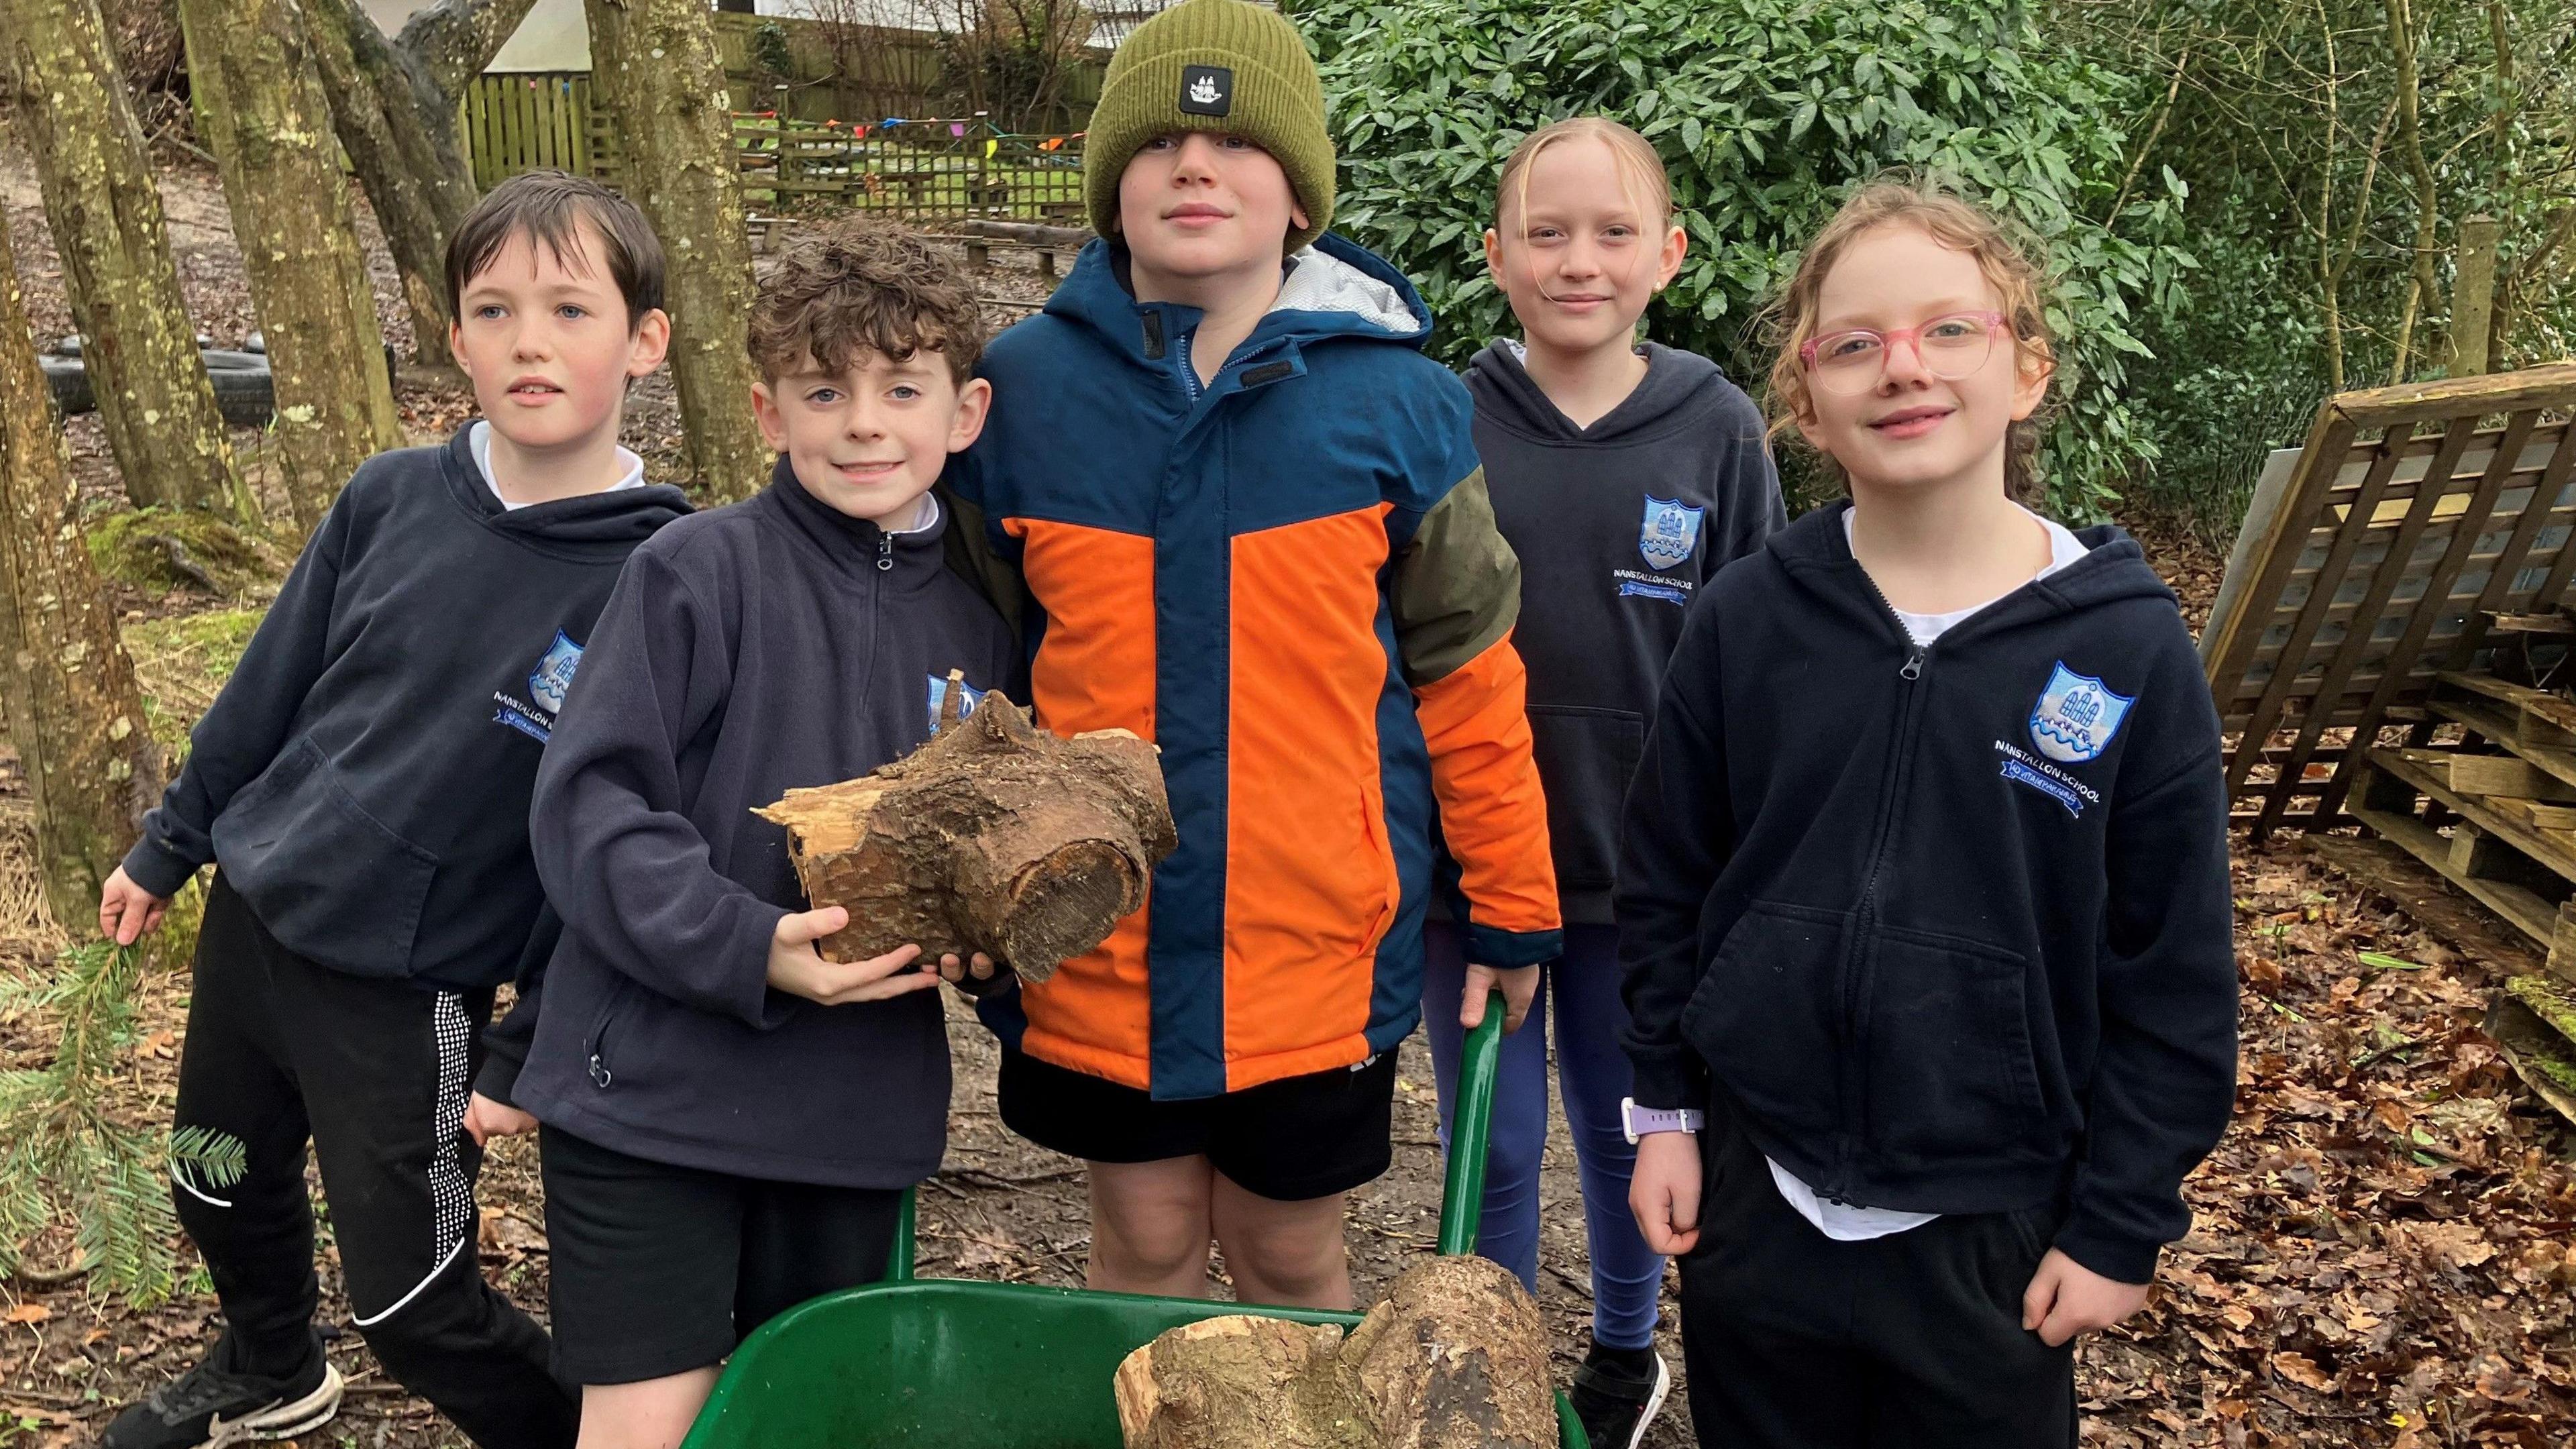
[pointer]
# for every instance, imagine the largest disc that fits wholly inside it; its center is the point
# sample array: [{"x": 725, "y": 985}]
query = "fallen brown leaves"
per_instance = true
[{"x": 2384, "y": 1248}]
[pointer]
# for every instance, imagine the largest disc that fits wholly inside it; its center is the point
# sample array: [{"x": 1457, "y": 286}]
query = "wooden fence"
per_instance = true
[
  {"x": 521, "y": 122},
  {"x": 817, "y": 131}
]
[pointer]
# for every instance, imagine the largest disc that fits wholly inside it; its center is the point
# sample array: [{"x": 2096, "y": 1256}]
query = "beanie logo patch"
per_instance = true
[{"x": 1207, "y": 90}]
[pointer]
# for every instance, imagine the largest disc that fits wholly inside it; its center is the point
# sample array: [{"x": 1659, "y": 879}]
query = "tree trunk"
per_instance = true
[
  {"x": 453, "y": 40},
  {"x": 995, "y": 837},
  {"x": 405, "y": 197},
  {"x": 394, "y": 106},
  {"x": 654, "y": 66},
  {"x": 70, "y": 703},
  {"x": 74, "y": 117},
  {"x": 1454, "y": 1358},
  {"x": 260, "y": 104},
  {"x": 2423, "y": 287}
]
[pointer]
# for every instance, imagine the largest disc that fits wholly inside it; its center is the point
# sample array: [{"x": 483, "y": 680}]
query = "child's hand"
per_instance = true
[
  {"x": 1663, "y": 1193},
  {"x": 486, "y": 1119},
  {"x": 126, "y": 910},
  {"x": 956, "y": 973},
  {"x": 796, "y": 968},
  {"x": 2066, "y": 1298},
  {"x": 1519, "y": 985}
]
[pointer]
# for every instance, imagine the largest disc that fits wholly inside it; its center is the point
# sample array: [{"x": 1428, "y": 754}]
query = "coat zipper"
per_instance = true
[{"x": 1855, "y": 980}]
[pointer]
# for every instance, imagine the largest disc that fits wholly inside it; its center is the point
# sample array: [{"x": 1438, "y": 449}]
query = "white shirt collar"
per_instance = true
[{"x": 479, "y": 439}]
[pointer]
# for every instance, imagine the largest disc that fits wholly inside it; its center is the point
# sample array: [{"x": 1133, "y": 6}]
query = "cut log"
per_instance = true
[
  {"x": 996, "y": 836},
  {"x": 1241, "y": 1380},
  {"x": 1454, "y": 1358}
]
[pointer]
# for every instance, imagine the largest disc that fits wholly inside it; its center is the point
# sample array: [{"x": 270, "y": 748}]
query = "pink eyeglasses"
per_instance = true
[{"x": 1950, "y": 348}]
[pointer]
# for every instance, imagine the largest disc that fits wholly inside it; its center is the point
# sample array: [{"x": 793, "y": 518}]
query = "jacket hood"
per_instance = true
[
  {"x": 1334, "y": 288},
  {"x": 1679, "y": 389},
  {"x": 606, "y": 523},
  {"x": 1814, "y": 551}
]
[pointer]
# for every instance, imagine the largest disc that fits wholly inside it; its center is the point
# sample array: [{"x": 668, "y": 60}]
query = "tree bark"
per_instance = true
[
  {"x": 260, "y": 104},
  {"x": 1454, "y": 1358},
  {"x": 2423, "y": 287},
  {"x": 70, "y": 704},
  {"x": 394, "y": 106},
  {"x": 74, "y": 117},
  {"x": 406, "y": 196},
  {"x": 654, "y": 66},
  {"x": 995, "y": 837},
  {"x": 453, "y": 40}
]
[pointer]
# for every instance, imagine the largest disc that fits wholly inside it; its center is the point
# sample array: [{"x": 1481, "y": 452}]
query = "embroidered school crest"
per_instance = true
[
  {"x": 1670, "y": 532},
  {"x": 2076, "y": 716},
  {"x": 939, "y": 697},
  {"x": 553, "y": 674},
  {"x": 1207, "y": 90}
]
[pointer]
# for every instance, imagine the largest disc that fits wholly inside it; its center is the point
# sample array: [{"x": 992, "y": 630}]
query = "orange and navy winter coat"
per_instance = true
[{"x": 1289, "y": 580}]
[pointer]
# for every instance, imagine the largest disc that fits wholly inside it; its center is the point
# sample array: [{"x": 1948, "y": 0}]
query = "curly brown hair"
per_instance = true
[
  {"x": 2013, "y": 261},
  {"x": 848, "y": 287}
]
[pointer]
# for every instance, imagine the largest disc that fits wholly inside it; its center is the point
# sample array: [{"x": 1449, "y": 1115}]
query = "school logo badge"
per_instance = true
[
  {"x": 1207, "y": 90},
  {"x": 2076, "y": 716},
  {"x": 553, "y": 674},
  {"x": 939, "y": 697},
  {"x": 1670, "y": 532}
]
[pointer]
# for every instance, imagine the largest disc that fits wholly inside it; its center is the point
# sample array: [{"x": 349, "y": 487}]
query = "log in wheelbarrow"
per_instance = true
[{"x": 938, "y": 1363}]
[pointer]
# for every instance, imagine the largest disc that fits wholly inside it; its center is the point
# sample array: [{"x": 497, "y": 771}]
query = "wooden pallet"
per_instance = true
[
  {"x": 2381, "y": 558},
  {"x": 2493, "y": 825}
]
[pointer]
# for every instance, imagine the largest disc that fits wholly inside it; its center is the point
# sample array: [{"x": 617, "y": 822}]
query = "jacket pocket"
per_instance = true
[
  {"x": 1585, "y": 759},
  {"x": 1948, "y": 1049},
  {"x": 1765, "y": 1015},
  {"x": 326, "y": 878}
]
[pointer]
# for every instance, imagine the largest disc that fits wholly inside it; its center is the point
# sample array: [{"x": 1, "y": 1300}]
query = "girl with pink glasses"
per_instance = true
[{"x": 1923, "y": 904}]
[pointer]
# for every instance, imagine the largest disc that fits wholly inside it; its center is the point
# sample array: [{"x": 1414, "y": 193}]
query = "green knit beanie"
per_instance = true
[{"x": 1222, "y": 66}]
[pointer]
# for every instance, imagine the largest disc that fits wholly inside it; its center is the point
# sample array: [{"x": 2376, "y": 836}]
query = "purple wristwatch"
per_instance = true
[{"x": 1639, "y": 1121}]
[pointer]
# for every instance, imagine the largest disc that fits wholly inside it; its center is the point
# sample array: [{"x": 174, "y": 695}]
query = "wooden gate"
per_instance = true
[{"x": 514, "y": 122}]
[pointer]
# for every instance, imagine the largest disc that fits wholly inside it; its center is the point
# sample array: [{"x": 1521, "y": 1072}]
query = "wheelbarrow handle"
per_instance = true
[{"x": 1462, "y": 1192}]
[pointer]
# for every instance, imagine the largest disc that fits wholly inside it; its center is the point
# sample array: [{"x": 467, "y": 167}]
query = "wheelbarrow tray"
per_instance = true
[
  {"x": 958, "y": 1364},
  {"x": 953, "y": 1364}
]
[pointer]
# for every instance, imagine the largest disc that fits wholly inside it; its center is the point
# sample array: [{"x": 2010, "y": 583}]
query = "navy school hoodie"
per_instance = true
[
  {"x": 1617, "y": 525},
  {"x": 363, "y": 778},
  {"x": 748, "y": 651},
  {"x": 1946, "y": 928}
]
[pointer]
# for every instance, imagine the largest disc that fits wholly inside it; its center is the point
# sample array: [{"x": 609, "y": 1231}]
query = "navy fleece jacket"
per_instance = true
[
  {"x": 1948, "y": 928},
  {"x": 764, "y": 646}
]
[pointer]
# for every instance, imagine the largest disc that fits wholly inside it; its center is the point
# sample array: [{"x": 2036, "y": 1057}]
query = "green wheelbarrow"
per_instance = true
[{"x": 956, "y": 1364}]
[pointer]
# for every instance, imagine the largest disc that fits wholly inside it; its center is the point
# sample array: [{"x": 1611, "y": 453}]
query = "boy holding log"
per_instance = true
[
  {"x": 362, "y": 786},
  {"x": 729, "y": 1118},
  {"x": 1253, "y": 530}
]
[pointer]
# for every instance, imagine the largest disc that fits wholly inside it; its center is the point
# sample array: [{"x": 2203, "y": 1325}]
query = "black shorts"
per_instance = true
[
  {"x": 1290, "y": 1140},
  {"x": 658, "y": 1270}
]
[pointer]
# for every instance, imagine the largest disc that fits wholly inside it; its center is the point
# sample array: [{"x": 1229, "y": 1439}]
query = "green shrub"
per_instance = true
[{"x": 1765, "y": 112}]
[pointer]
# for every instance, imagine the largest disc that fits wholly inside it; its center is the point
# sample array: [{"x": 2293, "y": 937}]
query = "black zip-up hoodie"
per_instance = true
[
  {"x": 363, "y": 778},
  {"x": 1947, "y": 929},
  {"x": 747, "y": 651},
  {"x": 1617, "y": 526}
]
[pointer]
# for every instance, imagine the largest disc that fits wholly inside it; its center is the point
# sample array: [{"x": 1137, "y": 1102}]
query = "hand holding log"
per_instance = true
[{"x": 995, "y": 836}]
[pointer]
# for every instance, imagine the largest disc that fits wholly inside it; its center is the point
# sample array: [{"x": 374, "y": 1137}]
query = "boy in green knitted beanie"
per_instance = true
[{"x": 1253, "y": 530}]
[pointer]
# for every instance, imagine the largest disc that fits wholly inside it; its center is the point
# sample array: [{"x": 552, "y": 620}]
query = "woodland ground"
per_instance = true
[{"x": 2385, "y": 1243}]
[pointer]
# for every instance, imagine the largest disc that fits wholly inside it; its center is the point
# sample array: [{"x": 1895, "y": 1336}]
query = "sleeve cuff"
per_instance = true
[
  {"x": 158, "y": 870},
  {"x": 500, "y": 1074},
  {"x": 1668, "y": 1077},
  {"x": 2116, "y": 1256},
  {"x": 1512, "y": 949}
]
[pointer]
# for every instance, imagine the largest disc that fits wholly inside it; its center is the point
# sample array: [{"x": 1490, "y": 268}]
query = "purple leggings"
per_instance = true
[{"x": 1593, "y": 1074}]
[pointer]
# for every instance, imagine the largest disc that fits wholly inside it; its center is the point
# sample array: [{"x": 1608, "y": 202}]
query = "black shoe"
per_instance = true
[
  {"x": 207, "y": 1408},
  {"x": 1617, "y": 1393}
]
